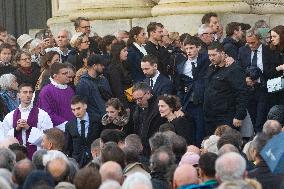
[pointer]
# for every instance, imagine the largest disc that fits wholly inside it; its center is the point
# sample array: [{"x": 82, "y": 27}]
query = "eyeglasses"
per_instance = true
[
  {"x": 85, "y": 41},
  {"x": 85, "y": 27},
  {"x": 208, "y": 34},
  {"x": 140, "y": 98}
]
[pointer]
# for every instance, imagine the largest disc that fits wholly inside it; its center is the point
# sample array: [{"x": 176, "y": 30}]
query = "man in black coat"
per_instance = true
[
  {"x": 81, "y": 132},
  {"x": 146, "y": 117},
  {"x": 232, "y": 42},
  {"x": 225, "y": 97},
  {"x": 155, "y": 33}
]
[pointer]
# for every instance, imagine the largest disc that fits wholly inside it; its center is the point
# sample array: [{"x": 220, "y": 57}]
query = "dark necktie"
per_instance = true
[
  {"x": 254, "y": 59},
  {"x": 193, "y": 68},
  {"x": 83, "y": 128},
  {"x": 151, "y": 83}
]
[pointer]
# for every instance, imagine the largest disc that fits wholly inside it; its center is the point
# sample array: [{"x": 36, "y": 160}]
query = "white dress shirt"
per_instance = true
[
  {"x": 44, "y": 122},
  {"x": 259, "y": 57},
  {"x": 188, "y": 67},
  {"x": 155, "y": 78}
]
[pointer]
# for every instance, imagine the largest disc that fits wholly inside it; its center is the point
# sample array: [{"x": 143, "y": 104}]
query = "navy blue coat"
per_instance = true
[
  {"x": 162, "y": 86},
  {"x": 270, "y": 60},
  {"x": 231, "y": 47},
  {"x": 134, "y": 60},
  {"x": 197, "y": 83},
  {"x": 91, "y": 89}
]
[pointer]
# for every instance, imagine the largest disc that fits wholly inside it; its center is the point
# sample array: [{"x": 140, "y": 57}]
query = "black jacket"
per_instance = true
[
  {"x": 267, "y": 179},
  {"x": 163, "y": 85},
  {"x": 225, "y": 94},
  {"x": 25, "y": 78},
  {"x": 231, "y": 47},
  {"x": 164, "y": 57},
  {"x": 6, "y": 69},
  {"x": 119, "y": 80},
  {"x": 184, "y": 126},
  {"x": 134, "y": 57},
  {"x": 147, "y": 122},
  {"x": 75, "y": 145}
]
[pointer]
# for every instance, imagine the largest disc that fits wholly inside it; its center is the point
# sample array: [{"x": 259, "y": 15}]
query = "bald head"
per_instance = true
[
  {"x": 111, "y": 171},
  {"x": 185, "y": 174},
  {"x": 21, "y": 171},
  {"x": 227, "y": 148},
  {"x": 7, "y": 141},
  {"x": 271, "y": 127},
  {"x": 58, "y": 168}
]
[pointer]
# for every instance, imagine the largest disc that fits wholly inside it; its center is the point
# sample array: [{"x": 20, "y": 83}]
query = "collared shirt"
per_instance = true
[
  {"x": 155, "y": 78},
  {"x": 44, "y": 122},
  {"x": 140, "y": 48},
  {"x": 87, "y": 124},
  {"x": 259, "y": 57},
  {"x": 188, "y": 67}
]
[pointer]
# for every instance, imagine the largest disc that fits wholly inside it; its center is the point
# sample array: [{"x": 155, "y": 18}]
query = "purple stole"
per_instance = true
[{"x": 32, "y": 122}]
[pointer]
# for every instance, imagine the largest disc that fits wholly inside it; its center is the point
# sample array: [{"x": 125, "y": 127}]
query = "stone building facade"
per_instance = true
[{"x": 108, "y": 16}]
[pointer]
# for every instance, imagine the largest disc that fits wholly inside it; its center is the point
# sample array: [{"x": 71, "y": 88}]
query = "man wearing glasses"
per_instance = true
[
  {"x": 82, "y": 24},
  {"x": 146, "y": 117},
  {"x": 206, "y": 35}
]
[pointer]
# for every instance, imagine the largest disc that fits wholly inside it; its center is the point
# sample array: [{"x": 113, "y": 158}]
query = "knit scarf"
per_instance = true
[
  {"x": 32, "y": 122},
  {"x": 27, "y": 71}
]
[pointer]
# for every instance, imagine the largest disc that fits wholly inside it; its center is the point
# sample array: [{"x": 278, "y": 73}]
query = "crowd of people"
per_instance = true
[{"x": 140, "y": 109}]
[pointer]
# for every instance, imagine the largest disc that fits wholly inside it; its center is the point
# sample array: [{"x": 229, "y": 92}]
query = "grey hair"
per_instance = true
[
  {"x": 235, "y": 184},
  {"x": 69, "y": 35},
  {"x": 4, "y": 184},
  {"x": 137, "y": 178},
  {"x": 227, "y": 148},
  {"x": 7, "y": 158},
  {"x": 202, "y": 28},
  {"x": 230, "y": 166},
  {"x": 271, "y": 127},
  {"x": 143, "y": 86},
  {"x": 253, "y": 32},
  {"x": 37, "y": 159},
  {"x": 53, "y": 154},
  {"x": 35, "y": 42},
  {"x": 110, "y": 184},
  {"x": 6, "y": 81},
  {"x": 7, "y": 175}
]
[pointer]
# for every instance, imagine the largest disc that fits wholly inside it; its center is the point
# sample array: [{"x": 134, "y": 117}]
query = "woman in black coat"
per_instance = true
[
  {"x": 168, "y": 104},
  {"x": 136, "y": 51},
  {"x": 117, "y": 117},
  {"x": 27, "y": 71},
  {"x": 119, "y": 74}
]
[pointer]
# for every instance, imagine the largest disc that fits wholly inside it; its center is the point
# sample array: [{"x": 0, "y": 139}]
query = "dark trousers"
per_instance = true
[
  {"x": 211, "y": 124},
  {"x": 258, "y": 109},
  {"x": 196, "y": 112}
]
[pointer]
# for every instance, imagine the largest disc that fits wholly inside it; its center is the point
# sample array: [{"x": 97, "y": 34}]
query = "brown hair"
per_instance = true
[
  {"x": 56, "y": 136},
  {"x": 231, "y": 27},
  {"x": 132, "y": 33},
  {"x": 172, "y": 101},
  {"x": 116, "y": 104},
  {"x": 47, "y": 58},
  {"x": 88, "y": 177},
  {"x": 153, "y": 26},
  {"x": 280, "y": 31}
]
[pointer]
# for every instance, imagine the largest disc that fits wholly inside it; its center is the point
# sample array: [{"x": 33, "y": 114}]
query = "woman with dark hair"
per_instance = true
[
  {"x": 119, "y": 75},
  {"x": 277, "y": 44},
  {"x": 277, "y": 40},
  {"x": 27, "y": 71},
  {"x": 79, "y": 42},
  {"x": 136, "y": 51},
  {"x": 168, "y": 104},
  {"x": 46, "y": 61},
  {"x": 117, "y": 117},
  {"x": 6, "y": 66},
  {"x": 105, "y": 47}
]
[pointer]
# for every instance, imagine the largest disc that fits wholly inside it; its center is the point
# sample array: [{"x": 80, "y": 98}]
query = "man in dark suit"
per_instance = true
[
  {"x": 81, "y": 132},
  {"x": 190, "y": 80},
  {"x": 155, "y": 33},
  {"x": 146, "y": 117},
  {"x": 158, "y": 82},
  {"x": 255, "y": 54}
]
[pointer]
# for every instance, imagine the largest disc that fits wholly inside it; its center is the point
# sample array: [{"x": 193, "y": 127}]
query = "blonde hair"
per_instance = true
[{"x": 77, "y": 39}]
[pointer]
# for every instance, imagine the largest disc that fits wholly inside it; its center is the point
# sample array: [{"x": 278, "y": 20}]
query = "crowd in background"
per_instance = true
[{"x": 144, "y": 109}]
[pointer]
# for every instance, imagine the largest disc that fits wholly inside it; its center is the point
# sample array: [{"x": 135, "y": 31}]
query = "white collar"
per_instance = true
[
  {"x": 156, "y": 76},
  {"x": 259, "y": 50},
  {"x": 26, "y": 109},
  {"x": 57, "y": 85},
  {"x": 193, "y": 60},
  {"x": 140, "y": 48}
]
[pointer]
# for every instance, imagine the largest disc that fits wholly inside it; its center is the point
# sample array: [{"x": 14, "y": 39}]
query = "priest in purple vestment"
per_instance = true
[{"x": 55, "y": 98}]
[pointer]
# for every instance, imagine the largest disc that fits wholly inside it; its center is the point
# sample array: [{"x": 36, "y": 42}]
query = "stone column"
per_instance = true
[
  {"x": 113, "y": 9},
  {"x": 266, "y": 6},
  {"x": 179, "y": 7}
]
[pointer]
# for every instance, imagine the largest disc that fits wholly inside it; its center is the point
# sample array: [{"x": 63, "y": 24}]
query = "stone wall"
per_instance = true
[{"x": 108, "y": 16}]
